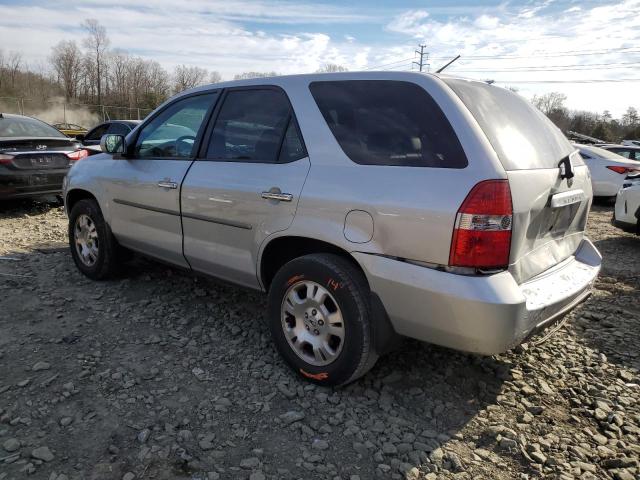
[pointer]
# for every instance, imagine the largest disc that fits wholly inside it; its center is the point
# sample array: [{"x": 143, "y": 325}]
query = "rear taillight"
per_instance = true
[
  {"x": 482, "y": 232},
  {"x": 78, "y": 155},
  {"x": 5, "y": 159},
  {"x": 624, "y": 170}
]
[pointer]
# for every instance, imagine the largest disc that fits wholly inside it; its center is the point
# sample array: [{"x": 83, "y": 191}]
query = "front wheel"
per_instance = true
[
  {"x": 93, "y": 247},
  {"x": 320, "y": 319}
]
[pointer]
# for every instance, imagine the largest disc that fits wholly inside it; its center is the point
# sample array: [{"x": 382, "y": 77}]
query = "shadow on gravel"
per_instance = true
[{"x": 29, "y": 206}]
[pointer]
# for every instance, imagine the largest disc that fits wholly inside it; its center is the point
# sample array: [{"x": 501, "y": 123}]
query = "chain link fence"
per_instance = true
[{"x": 60, "y": 111}]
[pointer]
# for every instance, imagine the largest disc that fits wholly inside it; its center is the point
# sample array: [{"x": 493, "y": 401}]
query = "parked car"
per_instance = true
[
  {"x": 626, "y": 214},
  {"x": 70, "y": 129},
  {"x": 91, "y": 141},
  {"x": 608, "y": 170},
  {"x": 34, "y": 157},
  {"x": 627, "y": 151},
  {"x": 632, "y": 143},
  {"x": 366, "y": 205}
]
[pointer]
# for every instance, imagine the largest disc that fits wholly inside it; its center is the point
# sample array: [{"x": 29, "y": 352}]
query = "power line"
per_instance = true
[
  {"x": 569, "y": 53},
  {"x": 557, "y": 68},
  {"x": 387, "y": 64},
  {"x": 596, "y": 80}
]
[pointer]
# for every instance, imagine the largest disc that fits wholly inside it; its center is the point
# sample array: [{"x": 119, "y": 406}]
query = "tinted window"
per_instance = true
[
  {"x": 173, "y": 132},
  {"x": 26, "y": 127},
  {"x": 388, "y": 123},
  {"x": 522, "y": 136},
  {"x": 119, "y": 129},
  {"x": 292, "y": 147},
  {"x": 97, "y": 133},
  {"x": 250, "y": 126},
  {"x": 624, "y": 153}
]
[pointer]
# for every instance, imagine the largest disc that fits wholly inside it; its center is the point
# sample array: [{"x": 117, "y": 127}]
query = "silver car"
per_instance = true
[{"x": 367, "y": 205}]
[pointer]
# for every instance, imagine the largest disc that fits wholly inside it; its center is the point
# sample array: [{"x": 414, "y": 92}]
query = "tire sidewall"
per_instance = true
[
  {"x": 89, "y": 208},
  {"x": 353, "y": 310}
]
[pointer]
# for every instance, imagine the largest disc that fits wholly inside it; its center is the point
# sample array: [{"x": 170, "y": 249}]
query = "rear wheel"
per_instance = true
[
  {"x": 320, "y": 319},
  {"x": 93, "y": 247}
]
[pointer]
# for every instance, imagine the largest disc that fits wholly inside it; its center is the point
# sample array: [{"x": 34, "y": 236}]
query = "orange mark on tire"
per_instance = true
[
  {"x": 331, "y": 283},
  {"x": 294, "y": 279},
  {"x": 315, "y": 376}
]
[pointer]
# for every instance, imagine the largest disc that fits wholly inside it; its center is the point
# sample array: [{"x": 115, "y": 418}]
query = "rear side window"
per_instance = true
[
  {"x": 252, "y": 126},
  {"x": 383, "y": 122},
  {"x": 521, "y": 135}
]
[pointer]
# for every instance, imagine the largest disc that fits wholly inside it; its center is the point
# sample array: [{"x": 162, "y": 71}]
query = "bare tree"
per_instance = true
[
  {"x": 630, "y": 117},
  {"x": 215, "y": 77},
  {"x": 185, "y": 77},
  {"x": 13, "y": 64},
  {"x": 331, "y": 68},
  {"x": 549, "y": 102},
  {"x": 66, "y": 60},
  {"x": 97, "y": 43}
]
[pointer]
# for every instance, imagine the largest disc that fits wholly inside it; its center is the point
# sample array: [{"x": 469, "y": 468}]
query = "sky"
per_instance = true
[{"x": 587, "y": 49}]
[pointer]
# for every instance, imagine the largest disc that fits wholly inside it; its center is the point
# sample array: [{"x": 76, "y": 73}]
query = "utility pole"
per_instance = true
[{"x": 424, "y": 56}]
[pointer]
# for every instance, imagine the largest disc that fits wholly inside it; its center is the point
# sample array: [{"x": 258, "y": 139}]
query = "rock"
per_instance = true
[
  {"x": 251, "y": 462},
  {"x": 538, "y": 457},
  {"x": 291, "y": 416},
  {"x": 128, "y": 476},
  {"x": 143, "y": 436},
  {"x": 11, "y": 445},
  {"x": 389, "y": 448},
  {"x": 508, "y": 443},
  {"x": 42, "y": 453},
  {"x": 41, "y": 366},
  {"x": 65, "y": 421},
  {"x": 257, "y": 476},
  {"x": 207, "y": 442},
  {"x": 620, "y": 462},
  {"x": 318, "y": 444}
]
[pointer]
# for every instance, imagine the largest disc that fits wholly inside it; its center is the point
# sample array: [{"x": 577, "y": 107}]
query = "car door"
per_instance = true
[
  {"x": 247, "y": 184},
  {"x": 144, "y": 187}
]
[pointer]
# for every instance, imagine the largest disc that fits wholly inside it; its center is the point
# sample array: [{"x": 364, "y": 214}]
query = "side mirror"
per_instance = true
[
  {"x": 114, "y": 144},
  {"x": 80, "y": 137}
]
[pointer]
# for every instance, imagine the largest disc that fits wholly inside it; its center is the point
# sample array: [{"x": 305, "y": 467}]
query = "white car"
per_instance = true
[
  {"x": 626, "y": 214},
  {"x": 608, "y": 170}
]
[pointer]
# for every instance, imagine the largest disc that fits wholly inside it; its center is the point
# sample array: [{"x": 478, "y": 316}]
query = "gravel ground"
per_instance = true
[{"x": 161, "y": 374}]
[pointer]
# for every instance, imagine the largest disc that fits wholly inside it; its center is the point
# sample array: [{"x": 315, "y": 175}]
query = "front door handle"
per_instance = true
[
  {"x": 280, "y": 197},
  {"x": 166, "y": 184}
]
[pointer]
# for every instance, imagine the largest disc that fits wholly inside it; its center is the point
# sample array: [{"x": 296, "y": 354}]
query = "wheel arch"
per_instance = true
[
  {"x": 283, "y": 249},
  {"x": 75, "y": 195}
]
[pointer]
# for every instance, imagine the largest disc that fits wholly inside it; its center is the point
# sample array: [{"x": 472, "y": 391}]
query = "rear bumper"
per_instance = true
[
  {"x": 481, "y": 314},
  {"x": 22, "y": 184}
]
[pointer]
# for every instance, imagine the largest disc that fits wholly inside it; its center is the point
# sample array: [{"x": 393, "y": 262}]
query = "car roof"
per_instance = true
[{"x": 618, "y": 145}]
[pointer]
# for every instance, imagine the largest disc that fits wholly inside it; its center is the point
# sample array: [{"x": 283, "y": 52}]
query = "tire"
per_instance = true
[
  {"x": 346, "y": 297},
  {"x": 106, "y": 262}
]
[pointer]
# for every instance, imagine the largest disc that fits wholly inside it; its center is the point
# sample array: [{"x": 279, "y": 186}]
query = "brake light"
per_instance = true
[
  {"x": 78, "y": 154},
  {"x": 482, "y": 232},
  {"x": 623, "y": 170},
  {"x": 5, "y": 159}
]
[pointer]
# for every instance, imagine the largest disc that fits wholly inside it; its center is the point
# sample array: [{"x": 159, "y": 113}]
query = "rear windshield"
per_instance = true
[
  {"x": 26, "y": 127},
  {"x": 522, "y": 136},
  {"x": 599, "y": 153},
  {"x": 381, "y": 122}
]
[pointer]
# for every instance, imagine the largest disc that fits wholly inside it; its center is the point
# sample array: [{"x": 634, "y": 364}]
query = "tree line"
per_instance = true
[
  {"x": 91, "y": 73},
  {"x": 598, "y": 125}
]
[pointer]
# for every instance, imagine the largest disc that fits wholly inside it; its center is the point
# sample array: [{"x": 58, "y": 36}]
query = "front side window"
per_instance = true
[
  {"x": 250, "y": 126},
  {"x": 384, "y": 122},
  {"x": 97, "y": 133},
  {"x": 173, "y": 132},
  {"x": 119, "y": 129}
]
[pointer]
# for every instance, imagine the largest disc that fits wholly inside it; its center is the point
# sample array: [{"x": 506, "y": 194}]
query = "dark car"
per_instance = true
[
  {"x": 34, "y": 157},
  {"x": 91, "y": 141},
  {"x": 627, "y": 151}
]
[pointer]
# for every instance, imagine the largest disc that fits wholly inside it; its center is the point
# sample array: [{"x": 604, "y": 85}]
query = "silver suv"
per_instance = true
[{"x": 368, "y": 205}]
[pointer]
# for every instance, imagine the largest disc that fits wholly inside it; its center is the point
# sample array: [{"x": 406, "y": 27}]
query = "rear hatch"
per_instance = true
[{"x": 550, "y": 206}]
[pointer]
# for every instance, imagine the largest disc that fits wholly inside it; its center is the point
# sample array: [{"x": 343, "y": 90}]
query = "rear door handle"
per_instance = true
[
  {"x": 166, "y": 184},
  {"x": 280, "y": 197}
]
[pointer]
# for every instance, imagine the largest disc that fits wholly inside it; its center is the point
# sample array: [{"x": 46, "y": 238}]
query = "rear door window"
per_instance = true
[
  {"x": 384, "y": 122},
  {"x": 97, "y": 133},
  {"x": 250, "y": 128},
  {"x": 119, "y": 129}
]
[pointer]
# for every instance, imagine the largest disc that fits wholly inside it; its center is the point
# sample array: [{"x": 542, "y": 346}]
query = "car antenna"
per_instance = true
[{"x": 442, "y": 68}]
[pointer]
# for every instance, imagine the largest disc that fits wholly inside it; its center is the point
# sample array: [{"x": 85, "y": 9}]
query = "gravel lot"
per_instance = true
[{"x": 162, "y": 374}]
